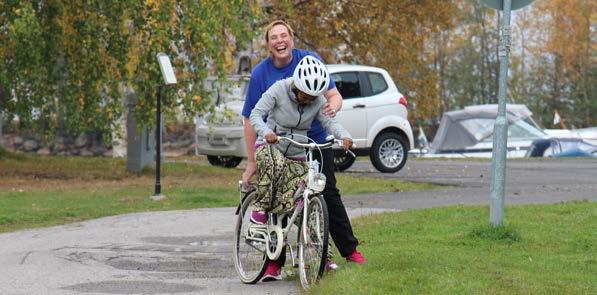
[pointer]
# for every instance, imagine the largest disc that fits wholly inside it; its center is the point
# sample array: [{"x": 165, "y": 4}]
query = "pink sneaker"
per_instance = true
[
  {"x": 330, "y": 265},
  {"x": 356, "y": 257},
  {"x": 258, "y": 217},
  {"x": 273, "y": 272}
]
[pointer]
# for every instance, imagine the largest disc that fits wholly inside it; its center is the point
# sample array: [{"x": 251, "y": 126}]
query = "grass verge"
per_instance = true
[
  {"x": 543, "y": 249},
  {"x": 43, "y": 191}
]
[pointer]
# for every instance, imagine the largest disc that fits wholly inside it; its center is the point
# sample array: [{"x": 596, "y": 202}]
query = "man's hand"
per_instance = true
[
  {"x": 333, "y": 104},
  {"x": 250, "y": 170},
  {"x": 329, "y": 110},
  {"x": 346, "y": 143},
  {"x": 271, "y": 138}
]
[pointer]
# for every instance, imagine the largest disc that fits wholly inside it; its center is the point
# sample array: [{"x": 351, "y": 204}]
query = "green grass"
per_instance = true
[
  {"x": 40, "y": 191},
  {"x": 350, "y": 185},
  {"x": 542, "y": 249}
]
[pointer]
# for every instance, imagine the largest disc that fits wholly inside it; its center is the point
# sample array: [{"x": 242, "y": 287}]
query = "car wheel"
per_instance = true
[
  {"x": 224, "y": 161},
  {"x": 389, "y": 152},
  {"x": 343, "y": 161}
]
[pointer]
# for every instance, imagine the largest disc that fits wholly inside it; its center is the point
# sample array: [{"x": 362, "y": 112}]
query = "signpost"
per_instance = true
[
  {"x": 169, "y": 79},
  {"x": 500, "y": 129}
]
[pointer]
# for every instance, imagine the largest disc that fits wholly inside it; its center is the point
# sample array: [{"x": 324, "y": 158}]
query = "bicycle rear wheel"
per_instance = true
[
  {"x": 249, "y": 245},
  {"x": 313, "y": 242}
]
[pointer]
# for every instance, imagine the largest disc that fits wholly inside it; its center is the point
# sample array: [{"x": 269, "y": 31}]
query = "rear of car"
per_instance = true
[
  {"x": 219, "y": 134},
  {"x": 376, "y": 114}
]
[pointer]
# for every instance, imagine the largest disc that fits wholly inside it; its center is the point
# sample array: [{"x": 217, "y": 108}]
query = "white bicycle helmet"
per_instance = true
[{"x": 311, "y": 76}]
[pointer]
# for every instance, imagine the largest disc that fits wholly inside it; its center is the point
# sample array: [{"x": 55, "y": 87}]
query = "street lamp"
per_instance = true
[{"x": 169, "y": 79}]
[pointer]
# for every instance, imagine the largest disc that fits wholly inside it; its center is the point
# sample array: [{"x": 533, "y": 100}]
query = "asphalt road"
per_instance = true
[
  {"x": 189, "y": 252},
  {"x": 527, "y": 181}
]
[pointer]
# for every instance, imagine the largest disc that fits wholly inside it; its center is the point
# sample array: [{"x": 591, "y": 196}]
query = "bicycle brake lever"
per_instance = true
[{"x": 351, "y": 153}]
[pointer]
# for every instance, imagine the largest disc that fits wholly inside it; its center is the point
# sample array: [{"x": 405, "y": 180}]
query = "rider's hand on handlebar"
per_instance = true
[
  {"x": 271, "y": 138},
  {"x": 346, "y": 143}
]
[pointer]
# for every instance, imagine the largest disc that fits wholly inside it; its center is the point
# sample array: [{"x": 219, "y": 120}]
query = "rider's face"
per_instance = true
[
  {"x": 280, "y": 43},
  {"x": 303, "y": 98}
]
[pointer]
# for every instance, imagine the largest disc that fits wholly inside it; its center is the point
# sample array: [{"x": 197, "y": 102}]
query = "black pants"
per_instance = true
[{"x": 340, "y": 227}]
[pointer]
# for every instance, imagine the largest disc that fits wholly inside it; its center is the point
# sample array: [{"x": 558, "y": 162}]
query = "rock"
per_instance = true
[
  {"x": 30, "y": 145},
  {"x": 191, "y": 151},
  {"x": 81, "y": 141},
  {"x": 98, "y": 150},
  {"x": 17, "y": 141},
  {"x": 57, "y": 147},
  {"x": 44, "y": 151}
]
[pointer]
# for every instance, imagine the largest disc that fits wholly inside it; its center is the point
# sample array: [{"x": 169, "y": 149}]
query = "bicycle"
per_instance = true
[{"x": 254, "y": 243}]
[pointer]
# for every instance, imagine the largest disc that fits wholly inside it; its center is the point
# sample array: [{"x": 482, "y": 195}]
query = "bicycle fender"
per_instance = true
[{"x": 242, "y": 201}]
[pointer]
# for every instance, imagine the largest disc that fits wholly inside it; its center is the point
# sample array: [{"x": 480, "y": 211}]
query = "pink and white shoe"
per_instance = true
[
  {"x": 273, "y": 272},
  {"x": 356, "y": 257},
  {"x": 258, "y": 217},
  {"x": 330, "y": 265}
]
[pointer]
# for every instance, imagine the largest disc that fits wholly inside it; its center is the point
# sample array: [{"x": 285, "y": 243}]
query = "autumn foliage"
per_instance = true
[{"x": 68, "y": 65}]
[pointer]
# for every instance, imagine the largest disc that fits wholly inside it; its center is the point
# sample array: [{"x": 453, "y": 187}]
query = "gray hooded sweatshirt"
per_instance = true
[{"x": 286, "y": 116}]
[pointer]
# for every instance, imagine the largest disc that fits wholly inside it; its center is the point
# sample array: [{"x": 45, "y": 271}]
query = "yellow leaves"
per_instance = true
[
  {"x": 153, "y": 5},
  {"x": 101, "y": 45},
  {"x": 197, "y": 99},
  {"x": 81, "y": 101},
  {"x": 386, "y": 33}
]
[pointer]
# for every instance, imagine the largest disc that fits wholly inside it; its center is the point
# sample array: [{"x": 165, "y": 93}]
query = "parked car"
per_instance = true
[
  {"x": 373, "y": 111},
  {"x": 376, "y": 115},
  {"x": 219, "y": 134},
  {"x": 562, "y": 147}
]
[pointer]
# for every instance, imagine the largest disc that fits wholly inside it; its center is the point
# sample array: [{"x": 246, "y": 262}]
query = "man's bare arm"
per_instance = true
[
  {"x": 334, "y": 102},
  {"x": 250, "y": 138}
]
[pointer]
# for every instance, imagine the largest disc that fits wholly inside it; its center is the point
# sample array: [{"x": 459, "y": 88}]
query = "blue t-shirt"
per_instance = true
[{"x": 266, "y": 74}]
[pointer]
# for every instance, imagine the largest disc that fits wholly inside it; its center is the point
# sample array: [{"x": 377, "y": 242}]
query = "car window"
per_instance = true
[
  {"x": 378, "y": 83},
  {"x": 348, "y": 84},
  {"x": 227, "y": 89}
]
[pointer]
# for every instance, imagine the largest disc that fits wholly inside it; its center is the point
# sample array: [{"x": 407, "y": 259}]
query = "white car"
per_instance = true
[
  {"x": 376, "y": 115},
  {"x": 373, "y": 111}
]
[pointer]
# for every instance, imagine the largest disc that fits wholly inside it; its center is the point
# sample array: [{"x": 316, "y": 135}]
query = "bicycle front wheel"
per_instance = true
[
  {"x": 313, "y": 242},
  {"x": 249, "y": 244}
]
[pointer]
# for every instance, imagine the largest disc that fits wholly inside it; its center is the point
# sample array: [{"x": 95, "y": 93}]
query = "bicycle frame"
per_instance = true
[{"x": 315, "y": 184}]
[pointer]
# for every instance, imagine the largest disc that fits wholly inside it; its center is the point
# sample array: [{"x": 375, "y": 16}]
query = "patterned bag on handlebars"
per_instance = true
[{"x": 278, "y": 176}]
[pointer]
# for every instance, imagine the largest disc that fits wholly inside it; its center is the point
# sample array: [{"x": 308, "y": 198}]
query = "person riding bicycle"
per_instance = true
[
  {"x": 281, "y": 62},
  {"x": 290, "y": 105}
]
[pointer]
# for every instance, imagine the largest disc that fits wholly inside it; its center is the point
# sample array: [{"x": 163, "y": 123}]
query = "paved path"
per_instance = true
[
  {"x": 527, "y": 181},
  {"x": 188, "y": 252}
]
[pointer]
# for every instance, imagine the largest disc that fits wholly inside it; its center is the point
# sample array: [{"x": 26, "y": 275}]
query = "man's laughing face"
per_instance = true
[{"x": 280, "y": 43}]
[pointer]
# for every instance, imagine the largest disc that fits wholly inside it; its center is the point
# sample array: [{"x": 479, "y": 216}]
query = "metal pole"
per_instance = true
[
  {"x": 500, "y": 131},
  {"x": 158, "y": 140}
]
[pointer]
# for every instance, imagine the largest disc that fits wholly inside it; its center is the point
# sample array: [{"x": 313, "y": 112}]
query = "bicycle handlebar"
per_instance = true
[{"x": 312, "y": 145}]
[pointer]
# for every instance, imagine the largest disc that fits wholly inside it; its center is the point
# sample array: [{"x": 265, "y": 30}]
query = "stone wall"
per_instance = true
[{"x": 178, "y": 139}]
